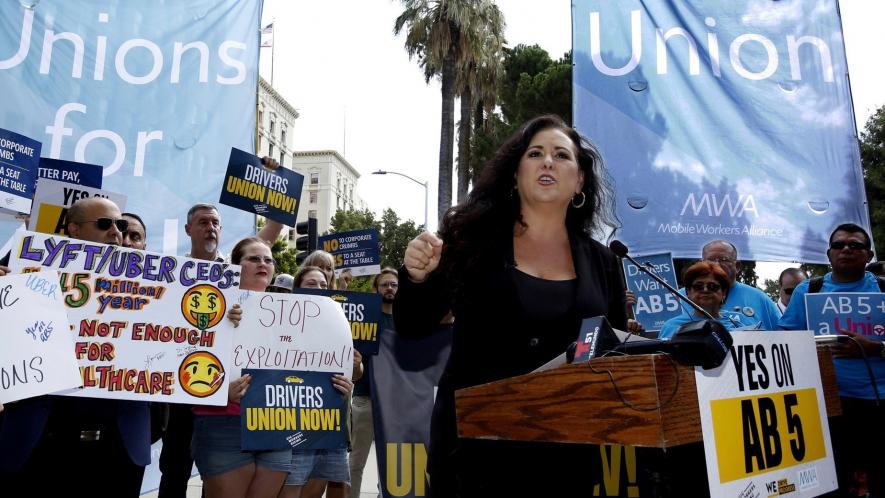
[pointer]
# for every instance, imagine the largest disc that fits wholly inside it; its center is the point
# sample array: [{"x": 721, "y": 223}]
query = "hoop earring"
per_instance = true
[{"x": 583, "y": 200}]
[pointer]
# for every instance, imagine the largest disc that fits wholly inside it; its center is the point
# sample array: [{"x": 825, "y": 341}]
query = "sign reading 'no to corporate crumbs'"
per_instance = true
[
  {"x": 764, "y": 419},
  {"x": 249, "y": 186}
]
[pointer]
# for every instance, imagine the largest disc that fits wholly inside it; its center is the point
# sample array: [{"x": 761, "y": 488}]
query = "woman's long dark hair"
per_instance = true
[{"x": 470, "y": 230}]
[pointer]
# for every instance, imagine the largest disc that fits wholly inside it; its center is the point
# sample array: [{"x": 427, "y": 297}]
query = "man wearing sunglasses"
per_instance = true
[
  {"x": 787, "y": 282},
  {"x": 39, "y": 433},
  {"x": 745, "y": 299},
  {"x": 859, "y": 434}
]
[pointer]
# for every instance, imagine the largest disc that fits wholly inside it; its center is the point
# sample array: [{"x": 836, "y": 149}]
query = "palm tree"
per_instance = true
[{"x": 441, "y": 34}]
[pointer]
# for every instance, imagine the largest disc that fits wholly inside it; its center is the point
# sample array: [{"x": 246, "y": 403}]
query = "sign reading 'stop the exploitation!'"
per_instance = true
[
  {"x": 764, "y": 419},
  {"x": 272, "y": 193}
]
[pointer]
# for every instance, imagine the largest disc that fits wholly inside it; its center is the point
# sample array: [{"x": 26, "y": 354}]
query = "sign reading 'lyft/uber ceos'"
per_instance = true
[
  {"x": 146, "y": 326},
  {"x": 739, "y": 122},
  {"x": 155, "y": 93}
]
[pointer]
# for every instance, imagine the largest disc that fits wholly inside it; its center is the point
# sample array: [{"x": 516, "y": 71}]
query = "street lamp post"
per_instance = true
[{"x": 423, "y": 184}]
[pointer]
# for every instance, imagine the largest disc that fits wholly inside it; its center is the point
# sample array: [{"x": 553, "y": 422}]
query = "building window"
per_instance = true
[
  {"x": 272, "y": 123},
  {"x": 283, "y": 133},
  {"x": 282, "y": 158},
  {"x": 312, "y": 213},
  {"x": 314, "y": 178},
  {"x": 270, "y": 150},
  {"x": 260, "y": 117},
  {"x": 292, "y": 234},
  {"x": 313, "y": 197}
]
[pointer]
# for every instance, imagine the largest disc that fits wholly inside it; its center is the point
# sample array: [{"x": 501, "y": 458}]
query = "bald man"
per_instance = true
[{"x": 57, "y": 445}]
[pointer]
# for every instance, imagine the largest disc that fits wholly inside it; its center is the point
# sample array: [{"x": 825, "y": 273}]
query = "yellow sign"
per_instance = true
[{"x": 758, "y": 434}]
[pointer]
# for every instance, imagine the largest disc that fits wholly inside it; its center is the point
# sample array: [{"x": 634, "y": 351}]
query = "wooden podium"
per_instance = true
[{"x": 644, "y": 400}]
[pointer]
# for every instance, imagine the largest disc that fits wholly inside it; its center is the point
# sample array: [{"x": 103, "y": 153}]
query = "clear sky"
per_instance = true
[{"x": 357, "y": 92}]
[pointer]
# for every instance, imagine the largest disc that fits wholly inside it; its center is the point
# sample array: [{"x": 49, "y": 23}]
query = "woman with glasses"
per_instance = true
[
  {"x": 707, "y": 285},
  {"x": 228, "y": 471}
]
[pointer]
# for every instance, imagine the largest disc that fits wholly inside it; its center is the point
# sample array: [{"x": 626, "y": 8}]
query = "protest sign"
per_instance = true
[
  {"x": 292, "y": 409},
  {"x": 739, "y": 119},
  {"x": 87, "y": 175},
  {"x": 356, "y": 250},
  {"x": 764, "y": 419},
  {"x": 146, "y": 326},
  {"x": 654, "y": 303},
  {"x": 292, "y": 332},
  {"x": 19, "y": 156},
  {"x": 362, "y": 310},
  {"x": 155, "y": 93},
  {"x": 52, "y": 200},
  {"x": 249, "y": 186},
  {"x": 862, "y": 313},
  {"x": 37, "y": 356}
]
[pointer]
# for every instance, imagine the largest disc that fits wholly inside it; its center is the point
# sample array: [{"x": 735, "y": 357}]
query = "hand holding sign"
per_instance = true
[
  {"x": 852, "y": 349},
  {"x": 422, "y": 256}
]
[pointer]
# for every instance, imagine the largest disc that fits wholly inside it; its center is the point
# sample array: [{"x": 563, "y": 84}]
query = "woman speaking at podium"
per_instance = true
[{"x": 517, "y": 265}]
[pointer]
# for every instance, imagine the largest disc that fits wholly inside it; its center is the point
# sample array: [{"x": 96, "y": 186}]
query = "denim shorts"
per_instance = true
[
  {"x": 216, "y": 448},
  {"x": 325, "y": 465}
]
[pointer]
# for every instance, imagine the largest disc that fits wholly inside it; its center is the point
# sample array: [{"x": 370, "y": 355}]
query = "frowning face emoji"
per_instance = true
[
  {"x": 200, "y": 374},
  {"x": 203, "y": 306}
]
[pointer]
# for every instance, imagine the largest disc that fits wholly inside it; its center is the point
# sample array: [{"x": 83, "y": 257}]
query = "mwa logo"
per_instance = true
[{"x": 734, "y": 205}]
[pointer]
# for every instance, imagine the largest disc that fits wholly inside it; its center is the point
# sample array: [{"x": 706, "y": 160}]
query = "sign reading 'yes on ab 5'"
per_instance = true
[
  {"x": 654, "y": 303},
  {"x": 764, "y": 419}
]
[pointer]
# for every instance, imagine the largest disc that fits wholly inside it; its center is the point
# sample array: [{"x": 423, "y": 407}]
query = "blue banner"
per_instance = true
[
  {"x": 363, "y": 312},
  {"x": 357, "y": 250},
  {"x": 87, "y": 175},
  {"x": 721, "y": 120},
  {"x": 654, "y": 303},
  {"x": 19, "y": 156},
  {"x": 862, "y": 313},
  {"x": 156, "y": 93},
  {"x": 249, "y": 186},
  {"x": 292, "y": 409}
]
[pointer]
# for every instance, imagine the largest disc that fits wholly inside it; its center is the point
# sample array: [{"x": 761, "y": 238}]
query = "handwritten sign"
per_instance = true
[
  {"x": 363, "y": 311},
  {"x": 764, "y": 419},
  {"x": 836, "y": 312},
  {"x": 147, "y": 326},
  {"x": 37, "y": 354},
  {"x": 292, "y": 332},
  {"x": 654, "y": 303},
  {"x": 53, "y": 198},
  {"x": 357, "y": 250},
  {"x": 19, "y": 156},
  {"x": 292, "y": 409},
  {"x": 251, "y": 187}
]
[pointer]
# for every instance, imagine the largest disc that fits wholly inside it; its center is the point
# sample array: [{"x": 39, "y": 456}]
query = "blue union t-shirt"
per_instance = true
[{"x": 851, "y": 373}]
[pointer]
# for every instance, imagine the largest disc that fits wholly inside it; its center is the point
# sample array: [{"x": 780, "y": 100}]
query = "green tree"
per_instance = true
[
  {"x": 872, "y": 155},
  {"x": 442, "y": 34},
  {"x": 284, "y": 257},
  {"x": 772, "y": 288}
]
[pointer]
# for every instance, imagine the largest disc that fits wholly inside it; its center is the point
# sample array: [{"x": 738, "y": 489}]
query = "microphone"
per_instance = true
[{"x": 620, "y": 250}]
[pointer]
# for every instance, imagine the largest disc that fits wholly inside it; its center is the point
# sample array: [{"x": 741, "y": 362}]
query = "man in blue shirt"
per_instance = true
[
  {"x": 859, "y": 434},
  {"x": 742, "y": 298}
]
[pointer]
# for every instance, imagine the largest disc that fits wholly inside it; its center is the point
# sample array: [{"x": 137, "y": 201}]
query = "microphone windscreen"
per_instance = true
[{"x": 618, "y": 248}]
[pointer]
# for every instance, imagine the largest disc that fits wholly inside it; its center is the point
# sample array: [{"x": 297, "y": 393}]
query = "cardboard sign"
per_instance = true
[
  {"x": 837, "y": 312},
  {"x": 363, "y": 312},
  {"x": 764, "y": 419},
  {"x": 147, "y": 326},
  {"x": 292, "y": 409},
  {"x": 654, "y": 303},
  {"x": 36, "y": 357},
  {"x": 292, "y": 332},
  {"x": 249, "y": 186},
  {"x": 357, "y": 250},
  {"x": 87, "y": 175},
  {"x": 52, "y": 200},
  {"x": 19, "y": 156}
]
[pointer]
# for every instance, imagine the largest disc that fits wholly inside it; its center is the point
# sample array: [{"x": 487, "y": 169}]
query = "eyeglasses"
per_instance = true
[
  {"x": 258, "y": 259},
  {"x": 107, "y": 223},
  {"x": 392, "y": 285},
  {"x": 853, "y": 245},
  {"x": 710, "y": 286},
  {"x": 721, "y": 261}
]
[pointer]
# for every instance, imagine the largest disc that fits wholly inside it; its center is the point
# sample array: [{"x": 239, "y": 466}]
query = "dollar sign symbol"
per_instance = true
[
  {"x": 195, "y": 302},
  {"x": 212, "y": 298}
]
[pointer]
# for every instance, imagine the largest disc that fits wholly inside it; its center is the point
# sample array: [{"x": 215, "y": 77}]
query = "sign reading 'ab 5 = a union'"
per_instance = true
[
  {"x": 862, "y": 313},
  {"x": 764, "y": 419}
]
